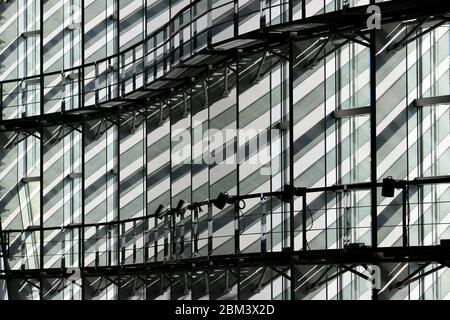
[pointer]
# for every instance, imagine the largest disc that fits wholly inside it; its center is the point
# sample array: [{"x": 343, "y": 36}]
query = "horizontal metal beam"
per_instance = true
[
  {"x": 75, "y": 175},
  {"x": 31, "y": 179},
  {"x": 338, "y": 257},
  {"x": 329, "y": 24},
  {"x": 339, "y": 114},
  {"x": 33, "y": 33},
  {"x": 298, "y": 191},
  {"x": 430, "y": 180},
  {"x": 426, "y": 102}
]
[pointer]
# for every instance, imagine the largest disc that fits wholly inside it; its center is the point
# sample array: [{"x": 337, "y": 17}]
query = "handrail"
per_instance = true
[
  {"x": 117, "y": 88},
  {"x": 235, "y": 200}
]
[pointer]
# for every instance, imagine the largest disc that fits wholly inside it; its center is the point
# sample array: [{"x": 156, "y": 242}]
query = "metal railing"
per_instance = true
[{"x": 199, "y": 26}]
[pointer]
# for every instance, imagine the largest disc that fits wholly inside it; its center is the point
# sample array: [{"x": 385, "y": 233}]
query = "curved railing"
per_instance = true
[
  {"x": 196, "y": 27},
  {"x": 157, "y": 63}
]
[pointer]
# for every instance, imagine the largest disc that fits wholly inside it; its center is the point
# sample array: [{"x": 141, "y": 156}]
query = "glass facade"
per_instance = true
[{"x": 111, "y": 108}]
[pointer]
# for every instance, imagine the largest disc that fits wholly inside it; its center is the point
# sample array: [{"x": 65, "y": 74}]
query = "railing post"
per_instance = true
[
  {"x": 373, "y": 144},
  {"x": 405, "y": 213},
  {"x": 1, "y": 101},
  {"x": 96, "y": 83},
  {"x": 262, "y": 14},
  {"x": 134, "y": 69},
  {"x": 121, "y": 74}
]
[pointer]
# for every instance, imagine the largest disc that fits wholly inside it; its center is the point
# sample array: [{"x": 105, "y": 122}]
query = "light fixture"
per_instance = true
[
  {"x": 288, "y": 193},
  {"x": 222, "y": 199},
  {"x": 388, "y": 187},
  {"x": 161, "y": 211},
  {"x": 390, "y": 184}
]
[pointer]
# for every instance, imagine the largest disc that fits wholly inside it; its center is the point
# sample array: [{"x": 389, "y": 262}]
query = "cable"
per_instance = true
[
  {"x": 243, "y": 221},
  {"x": 243, "y": 206},
  {"x": 312, "y": 223},
  {"x": 408, "y": 226},
  {"x": 312, "y": 218}
]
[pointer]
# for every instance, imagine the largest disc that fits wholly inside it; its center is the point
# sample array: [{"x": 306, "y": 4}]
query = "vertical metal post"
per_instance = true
[
  {"x": 117, "y": 8},
  {"x": 405, "y": 213},
  {"x": 173, "y": 235},
  {"x": 83, "y": 196},
  {"x": 209, "y": 23},
  {"x": 96, "y": 83},
  {"x": 145, "y": 154},
  {"x": 291, "y": 158},
  {"x": 181, "y": 233},
  {"x": 303, "y": 9},
  {"x": 118, "y": 233},
  {"x": 195, "y": 232},
  {"x": 171, "y": 217},
  {"x": 166, "y": 237},
  {"x": 191, "y": 168},
  {"x": 1, "y": 101},
  {"x": 41, "y": 164},
  {"x": 373, "y": 146},
  {"x": 81, "y": 84},
  {"x": 237, "y": 226},
  {"x": 264, "y": 210},
  {"x": 4, "y": 243},
  {"x": 304, "y": 208},
  {"x": 237, "y": 229},
  {"x": 145, "y": 47}
]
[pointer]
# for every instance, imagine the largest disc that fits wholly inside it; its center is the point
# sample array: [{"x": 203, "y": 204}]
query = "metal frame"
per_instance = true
[{"x": 269, "y": 40}]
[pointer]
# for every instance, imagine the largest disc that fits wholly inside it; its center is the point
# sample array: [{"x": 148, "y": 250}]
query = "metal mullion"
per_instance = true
[
  {"x": 237, "y": 226},
  {"x": 373, "y": 146},
  {"x": 1, "y": 101},
  {"x": 134, "y": 69},
  {"x": 120, "y": 55},
  {"x": 83, "y": 198},
  {"x": 191, "y": 167},
  {"x": 96, "y": 83},
  {"x": 117, "y": 7},
  {"x": 144, "y": 56},
  {"x": 303, "y": 9},
  {"x": 41, "y": 142},
  {"x": 144, "y": 196},
  {"x": 171, "y": 216},
  {"x": 405, "y": 213},
  {"x": 271, "y": 207},
  {"x": 325, "y": 82},
  {"x": 81, "y": 72},
  {"x": 4, "y": 243},
  {"x": 291, "y": 163},
  {"x": 264, "y": 210},
  {"x": 117, "y": 229},
  {"x": 210, "y": 207}
]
